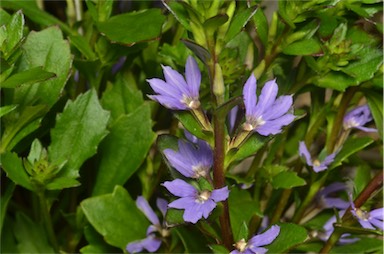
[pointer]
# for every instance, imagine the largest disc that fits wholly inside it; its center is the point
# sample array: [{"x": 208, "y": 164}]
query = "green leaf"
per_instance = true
[
  {"x": 31, "y": 236},
  {"x": 14, "y": 31},
  {"x": 32, "y": 11},
  {"x": 28, "y": 77},
  {"x": 124, "y": 149},
  {"x": 201, "y": 52},
  {"x": 336, "y": 80},
  {"x": 125, "y": 222},
  {"x": 241, "y": 208},
  {"x": 364, "y": 245},
  {"x": 243, "y": 232},
  {"x": 13, "y": 166},
  {"x": 45, "y": 48},
  {"x": 250, "y": 147},
  {"x": 351, "y": 146},
  {"x": 121, "y": 99},
  {"x": 287, "y": 180},
  {"x": 218, "y": 249},
  {"x": 77, "y": 133},
  {"x": 6, "y": 109},
  {"x": 193, "y": 126},
  {"x": 60, "y": 183},
  {"x": 289, "y": 236},
  {"x": 174, "y": 217},
  {"x": 4, "y": 200},
  {"x": 179, "y": 13},
  {"x": 144, "y": 25},
  {"x": 261, "y": 24},
  {"x": 303, "y": 47},
  {"x": 375, "y": 102},
  {"x": 83, "y": 46},
  {"x": 239, "y": 21},
  {"x": 215, "y": 22}
]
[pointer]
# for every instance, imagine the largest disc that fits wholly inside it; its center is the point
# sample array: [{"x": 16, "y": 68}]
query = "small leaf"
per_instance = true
[
  {"x": 303, "y": 47},
  {"x": 28, "y": 77},
  {"x": 179, "y": 13},
  {"x": 174, "y": 217},
  {"x": 218, "y": 249},
  {"x": 289, "y": 236},
  {"x": 193, "y": 126},
  {"x": 375, "y": 102},
  {"x": 6, "y": 109},
  {"x": 13, "y": 166},
  {"x": 364, "y": 245},
  {"x": 215, "y": 22},
  {"x": 239, "y": 21},
  {"x": 336, "y": 80},
  {"x": 243, "y": 232},
  {"x": 60, "y": 183},
  {"x": 287, "y": 180},
  {"x": 202, "y": 53},
  {"x": 133, "y": 27},
  {"x": 351, "y": 146},
  {"x": 125, "y": 222},
  {"x": 83, "y": 46},
  {"x": 77, "y": 133},
  {"x": 261, "y": 24},
  {"x": 14, "y": 33}
]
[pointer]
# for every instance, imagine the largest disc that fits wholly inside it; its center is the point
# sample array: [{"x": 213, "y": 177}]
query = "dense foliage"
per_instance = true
[{"x": 191, "y": 126}]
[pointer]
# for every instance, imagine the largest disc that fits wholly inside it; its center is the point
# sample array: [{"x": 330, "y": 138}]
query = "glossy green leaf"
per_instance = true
[
  {"x": 45, "y": 48},
  {"x": 147, "y": 26},
  {"x": 375, "y": 102},
  {"x": 193, "y": 126},
  {"x": 239, "y": 21},
  {"x": 303, "y": 47},
  {"x": 364, "y": 245},
  {"x": 289, "y": 236},
  {"x": 261, "y": 24},
  {"x": 14, "y": 33},
  {"x": 336, "y": 80},
  {"x": 287, "y": 180},
  {"x": 201, "y": 52},
  {"x": 4, "y": 17},
  {"x": 215, "y": 22},
  {"x": 27, "y": 77},
  {"x": 179, "y": 13},
  {"x": 124, "y": 149},
  {"x": 125, "y": 222},
  {"x": 13, "y": 166},
  {"x": 30, "y": 236},
  {"x": 218, "y": 249},
  {"x": 351, "y": 146},
  {"x": 77, "y": 133},
  {"x": 6, "y": 109},
  {"x": 174, "y": 217},
  {"x": 60, "y": 183},
  {"x": 243, "y": 232}
]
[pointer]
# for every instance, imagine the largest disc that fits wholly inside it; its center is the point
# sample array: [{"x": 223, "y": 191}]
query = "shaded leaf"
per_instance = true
[
  {"x": 290, "y": 235},
  {"x": 287, "y": 180},
  {"x": 5, "y": 197},
  {"x": 239, "y": 21},
  {"x": 303, "y": 47},
  {"x": 261, "y": 24},
  {"x": 375, "y": 102},
  {"x": 28, "y": 77},
  {"x": 193, "y": 126},
  {"x": 125, "y": 221},
  {"x": 6, "y": 109},
  {"x": 13, "y": 166},
  {"x": 83, "y": 46},
  {"x": 364, "y": 245}
]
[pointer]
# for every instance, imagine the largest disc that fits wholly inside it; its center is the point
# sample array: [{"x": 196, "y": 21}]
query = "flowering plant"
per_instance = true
[{"x": 191, "y": 126}]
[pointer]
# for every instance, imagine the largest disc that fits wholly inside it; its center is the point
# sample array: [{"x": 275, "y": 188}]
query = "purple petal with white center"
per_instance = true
[
  {"x": 161, "y": 87},
  {"x": 274, "y": 126},
  {"x": 267, "y": 97},
  {"x": 151, "y": 244},
  {"x": 169, "y": 102},
  {"x": 333, "y": 187},
  {"x": 328, "y": 160},
  {"x": 175, "y": 79},
  {"x": 280, "y": 107},
  {"x": 336, "y": 202},
  {"x": 207, "y": 207},
  {"x": 232, "y": 117},
  {"x": 143, "y": 205},
  {"x": 377, "y": 223},
  {"x": 221, "y": 194},
  {"x": 151, "y": 229},
  {"x": 162, "y": 204},
  {"x": 178, "y": 162},
  {"x": 183, "y": 203},
  {"x": 190, "y": 137},
  {"x": 193, "y": 76},
  {"x": 259, "y": 250},
  {"x": 320, "y": 168},
  {"x": 303, "y": 151},
  {"x": 357, "y": 117},
  {"x": 249, "y": 95},
  {"x": 180, "y": 188},
  {"x": 193, "y": 213},
  {"x": 265, "y": 238}
]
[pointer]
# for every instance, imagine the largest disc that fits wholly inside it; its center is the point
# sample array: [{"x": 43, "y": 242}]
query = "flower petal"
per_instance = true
[
  {"x": 303, "y": 151},
  {"x": 267, "y": 97},
  {"x": 259, "y": 250},
  {"x": 221, "y": 194},
  {"x": 179, "y": 162},
  {"x": 175, "y": 79},
  {"x": 249, "y": 95},
  {"x": 193, "y": 76},
  {"x": 377, "y": 213},
  {"x": 143, "y": 205},
  {"x": 162, "y": 88},
  {"x": 151, "y": 244},
  {"x": 377, "y": 223},
  {"x": 193, "y": 213},
  {"x": 207, "y": 207},
  {"x": 162, "y": 204},
  {"x": 275, "y": 126},
  {"x": 265, "y": 238},
  {"x": 366, "y": 129},
  {"x": 182, "y": 203},
  {"x": 180, "y": 188},
  {"x": 169, "y": 102},
  {"x": 280, "y": 107}
]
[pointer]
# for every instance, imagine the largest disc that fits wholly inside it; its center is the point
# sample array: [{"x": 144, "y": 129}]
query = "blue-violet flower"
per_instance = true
[
  {"x": 266, "y": 115},
  {"x": 152, "y": 242},
  {"x": 315, "y": 163},
  {"x": 357, "y": 118},
  {"x": 196, "y": 204},
  {"x": 326, "y": 200},
  {"x": 369, "y": 220},
  {"x": 193, "y": 160},
  {"x": 176, "y": 92},
  {"x": 254, "y": 245}
]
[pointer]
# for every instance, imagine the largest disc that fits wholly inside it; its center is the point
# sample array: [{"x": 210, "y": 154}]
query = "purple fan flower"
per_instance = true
[
  {"x": 192, "y": 160},
  {"x": 316, "y": 164},
  {"x": 196, "y": 204},
  {"x": 328, "y": 201},
  {"x": 176, "y": 92},
  {"x": 358, "y": 117},
  {"x": 267, "y": 115},
  {"x": 369, "y": 220},
  {"x": 254, "y": 245},
  {"x": 152, "y": 242}
]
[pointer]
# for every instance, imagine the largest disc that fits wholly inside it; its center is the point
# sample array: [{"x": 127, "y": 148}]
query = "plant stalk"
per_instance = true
[{"x": 47, "y": 220}]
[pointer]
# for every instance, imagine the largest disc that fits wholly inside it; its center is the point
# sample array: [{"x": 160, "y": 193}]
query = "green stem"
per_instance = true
[
  {"x": 47, "y": 220},
  {"x": 375, "y": 184}
]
